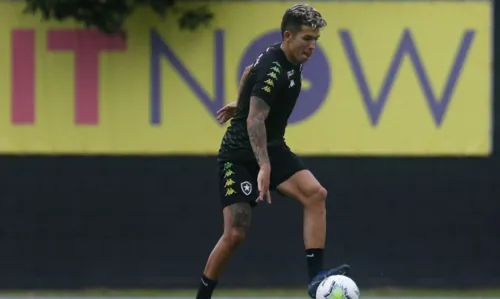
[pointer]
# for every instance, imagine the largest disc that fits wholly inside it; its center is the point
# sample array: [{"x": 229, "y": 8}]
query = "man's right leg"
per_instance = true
[
  {"x": 237, "y": 219},
  {"x": 238, "y": 195}
]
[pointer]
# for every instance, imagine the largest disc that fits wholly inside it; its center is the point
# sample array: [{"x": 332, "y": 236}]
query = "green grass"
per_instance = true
[{"x": 383, "y": 292}]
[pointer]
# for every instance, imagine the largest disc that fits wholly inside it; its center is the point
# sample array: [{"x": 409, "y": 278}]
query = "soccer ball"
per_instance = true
[{"x": 337, "y": 287}]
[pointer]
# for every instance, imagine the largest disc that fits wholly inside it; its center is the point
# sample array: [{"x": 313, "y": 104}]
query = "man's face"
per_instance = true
[{"x": 303, "y": 43}]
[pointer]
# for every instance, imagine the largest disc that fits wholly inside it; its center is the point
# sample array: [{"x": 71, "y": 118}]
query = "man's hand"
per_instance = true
[
  {"x": 263, "y": 184},
  {"x": 226, "y": 113}
]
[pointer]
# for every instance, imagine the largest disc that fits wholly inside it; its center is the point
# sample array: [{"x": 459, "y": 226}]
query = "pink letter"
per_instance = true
[
  {"x": 86, "y": 44},
  {"x": 23, "y": 76}
]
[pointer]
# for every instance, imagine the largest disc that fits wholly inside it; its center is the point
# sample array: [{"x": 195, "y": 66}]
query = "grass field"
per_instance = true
[{"x": 384, "y": 292}]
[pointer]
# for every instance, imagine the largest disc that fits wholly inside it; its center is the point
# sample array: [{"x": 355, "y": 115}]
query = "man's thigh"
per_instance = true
[
  {"x": 237, "y": 182},
  {"x": 291, "y": 178},
  {"x": 284, "y": 165},
  {"x": 302, "y": 186}
]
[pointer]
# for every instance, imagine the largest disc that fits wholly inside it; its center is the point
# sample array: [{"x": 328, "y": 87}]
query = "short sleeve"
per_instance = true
[{"x": 267, "y": 80}]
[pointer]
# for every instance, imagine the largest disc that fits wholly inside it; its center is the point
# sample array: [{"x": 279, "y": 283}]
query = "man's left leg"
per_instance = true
[{"x": 303, "y": 186}]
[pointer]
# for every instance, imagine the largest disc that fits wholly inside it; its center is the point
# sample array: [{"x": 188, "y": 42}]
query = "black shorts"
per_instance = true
[{"x": 238, "y": 178}]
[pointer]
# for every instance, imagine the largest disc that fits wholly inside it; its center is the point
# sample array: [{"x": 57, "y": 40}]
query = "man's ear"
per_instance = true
[{"x": 287, "y": 35}]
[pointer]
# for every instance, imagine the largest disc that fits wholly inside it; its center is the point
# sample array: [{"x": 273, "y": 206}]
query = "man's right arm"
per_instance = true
[
  {"x": 263, "y": 95},
  {"x": 256, "y": 127}
]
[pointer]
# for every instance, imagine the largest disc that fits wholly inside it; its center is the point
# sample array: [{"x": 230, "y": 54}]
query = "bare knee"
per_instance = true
[
  {"x": 235, "y": 236},
  {"x": 237, "y": 223},
  {"x": 316, "y": 198}
]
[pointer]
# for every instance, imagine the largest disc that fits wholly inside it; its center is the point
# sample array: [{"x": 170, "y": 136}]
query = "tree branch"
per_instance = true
[{"x": 109, "y": 16}]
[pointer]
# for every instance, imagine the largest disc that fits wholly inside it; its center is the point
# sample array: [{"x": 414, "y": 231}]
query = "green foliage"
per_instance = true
[{"x": 109, "y": 15}]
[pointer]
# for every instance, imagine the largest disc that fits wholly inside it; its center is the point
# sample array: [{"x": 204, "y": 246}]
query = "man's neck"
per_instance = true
[{"x": 288, "y": 56}]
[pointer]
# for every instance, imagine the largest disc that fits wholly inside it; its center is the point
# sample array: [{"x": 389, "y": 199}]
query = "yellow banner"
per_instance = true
[{"x": 387, "y": 79}]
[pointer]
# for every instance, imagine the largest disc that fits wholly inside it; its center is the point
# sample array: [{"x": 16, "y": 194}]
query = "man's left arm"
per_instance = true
[{"x": 243, "y": 79}]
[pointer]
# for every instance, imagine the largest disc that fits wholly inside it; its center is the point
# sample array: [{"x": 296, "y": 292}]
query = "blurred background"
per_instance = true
[{"x": 108, "y": 145}]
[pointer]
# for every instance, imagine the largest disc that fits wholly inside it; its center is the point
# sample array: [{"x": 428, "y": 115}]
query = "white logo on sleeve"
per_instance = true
[{"x": 246, "y": 187}]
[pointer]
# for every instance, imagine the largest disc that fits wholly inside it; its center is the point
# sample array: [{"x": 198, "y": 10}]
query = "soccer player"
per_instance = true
[{"x": 254, "y": 158}]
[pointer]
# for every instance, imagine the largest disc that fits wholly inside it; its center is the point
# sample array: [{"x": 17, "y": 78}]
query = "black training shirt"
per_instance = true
[{"x": 276, "y": 81}]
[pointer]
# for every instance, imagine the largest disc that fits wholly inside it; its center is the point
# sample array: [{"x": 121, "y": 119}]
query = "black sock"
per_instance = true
[
  {"x": 206, "y": 288},
  {"x": 314, "y": 261}
]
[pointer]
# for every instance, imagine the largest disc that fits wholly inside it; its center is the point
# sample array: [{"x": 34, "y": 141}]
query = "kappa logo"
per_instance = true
[{"x": 246, "y": 187}]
